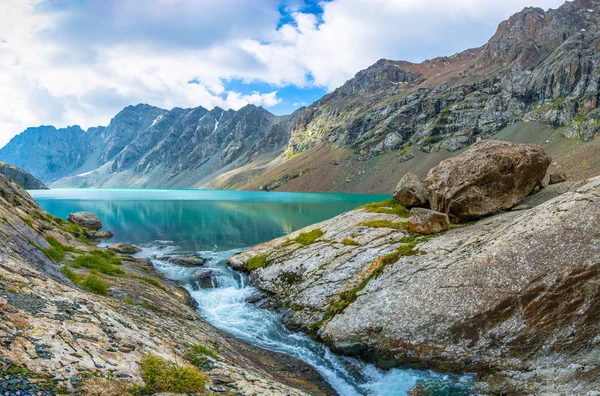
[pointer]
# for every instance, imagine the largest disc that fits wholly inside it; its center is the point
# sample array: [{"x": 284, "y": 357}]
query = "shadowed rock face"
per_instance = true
[
  {"x": 489, "y": 177},
  {"x": 25, "y": 180},
  {"x": 513, "y": 297}
]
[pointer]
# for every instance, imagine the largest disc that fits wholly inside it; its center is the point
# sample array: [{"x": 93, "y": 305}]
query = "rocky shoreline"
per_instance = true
[
  {"x": 512, "y": 297},
  {"x": 61, "y": 333}
]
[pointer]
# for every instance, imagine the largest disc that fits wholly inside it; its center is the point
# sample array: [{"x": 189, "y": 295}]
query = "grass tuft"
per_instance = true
[
  {"x": 95, "y": 285},
  {"x": 391, "y": 206},
  {"x": 197, "y": 354},
  {"x": 382, "y": 224},
  {"x": 350, "y": 242},
  {"x": 256, "y": 262},
  {"x": 100, "y": 260},
  {"x": 307, "y": 238},
  {"x": 69, "y": 273},
  {"x": 163, "y": 376}
]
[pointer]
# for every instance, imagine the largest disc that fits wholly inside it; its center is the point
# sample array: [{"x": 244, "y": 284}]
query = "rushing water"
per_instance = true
[{"x": 217, "y": 224}]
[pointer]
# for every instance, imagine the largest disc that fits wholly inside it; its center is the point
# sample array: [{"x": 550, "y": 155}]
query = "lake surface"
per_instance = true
[{"x": 217, "y": 224}]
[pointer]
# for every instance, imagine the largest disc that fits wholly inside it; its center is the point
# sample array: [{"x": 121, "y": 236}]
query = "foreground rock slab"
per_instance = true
[
  {"x": 513, "y": 297},
  {"x": 489, "y": 177}
]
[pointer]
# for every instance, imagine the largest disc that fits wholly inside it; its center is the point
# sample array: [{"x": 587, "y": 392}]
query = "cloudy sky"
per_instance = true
[{"x": 79, "y": 62}]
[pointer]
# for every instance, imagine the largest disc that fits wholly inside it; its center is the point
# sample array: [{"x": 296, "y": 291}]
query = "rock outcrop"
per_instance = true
[
  {"x": 123, "y": 248},
  {"x": 489, "y": 177},
  {"x": 411, "y": 192},
  {"x": 58, "y": 338},
  {"x": 512, "y": 297},
  {"x": 86, "y": 220},
  {"x": 25, "y": 180}
]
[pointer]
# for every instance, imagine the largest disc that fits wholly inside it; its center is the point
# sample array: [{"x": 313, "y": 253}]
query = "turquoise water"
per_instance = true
[{"x": 217, "y": 224}]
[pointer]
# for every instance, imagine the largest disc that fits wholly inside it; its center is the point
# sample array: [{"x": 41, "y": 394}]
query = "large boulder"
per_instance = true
[
  {"x": 425, "y": 221},
  {"x": 411, "y": 192},
  {"x": 86, "y": 220},
  {"x": 184, "y": 261},
  {"x": 489, "y": 177}
]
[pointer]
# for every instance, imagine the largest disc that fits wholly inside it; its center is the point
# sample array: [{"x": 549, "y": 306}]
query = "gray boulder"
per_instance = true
[
  {"x": 425, "y": 221},
  {"x": 184, "y": 261},
  {"x": 557, "y": 177},
  {"x": 411, "y": 191},
  {"x": 489, "y": 177},
  {"x": 86, "y": 220},
  {"x": 203, "y": 278},
  {"x": 124, "y": 248}
]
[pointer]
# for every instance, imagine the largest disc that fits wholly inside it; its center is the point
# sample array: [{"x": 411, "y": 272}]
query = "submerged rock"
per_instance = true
[
  {"x": 425, "y": 221},
  {"x": 411, "y": 192},
  {"x": 86, "y": 220},
  {"x": 489, "y": 177},
  {"x": 124, "y": 248},
  {"x": 184, "y": 261}
]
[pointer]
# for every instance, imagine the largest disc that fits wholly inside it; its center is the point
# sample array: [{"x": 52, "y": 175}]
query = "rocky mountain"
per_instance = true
[
  {"x": 144, "y": 146},
  {"x": 540, "y": 66},
  {"x": 24, "y": 179}
]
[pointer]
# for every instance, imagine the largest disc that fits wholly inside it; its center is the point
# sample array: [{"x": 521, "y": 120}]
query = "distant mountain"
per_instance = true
[
  {"x": 541, "y": 68},
  {"x": 24, "y": 179},
  {"x": 144, "y": 146}
]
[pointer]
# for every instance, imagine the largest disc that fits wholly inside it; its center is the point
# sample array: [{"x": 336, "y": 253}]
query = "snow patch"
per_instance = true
[{"x": 156, "y": 120}]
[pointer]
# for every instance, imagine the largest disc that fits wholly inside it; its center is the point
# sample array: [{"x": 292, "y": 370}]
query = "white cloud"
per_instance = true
[{"x": 83, "y": 62}]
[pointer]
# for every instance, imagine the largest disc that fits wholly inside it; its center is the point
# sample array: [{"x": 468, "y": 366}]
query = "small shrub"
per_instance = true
[
  {"x": 388, "y": 207},
  {"x": 129, "y": 301},
  {"x": 256, "y": 262},
  {"x": 381, "y": 224},
  {"x": 69, "y": 273},
  {"x": 307, "y": 238},
  {"x": 350, "y": 242},
  {"x": 163, "y": 376},
  {"x": 95, "y": 285},
  {"x": 28, "y": 222}
]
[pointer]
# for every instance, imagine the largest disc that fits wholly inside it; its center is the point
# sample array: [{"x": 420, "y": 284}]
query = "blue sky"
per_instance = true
[{"x": 82, "y": 61}]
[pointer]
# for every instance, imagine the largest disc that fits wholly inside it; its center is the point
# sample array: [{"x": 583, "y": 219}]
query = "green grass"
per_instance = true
[
  {"x": 95, "y": 285},
  {"x": 57, "y": 250},
  {"x": 388, "y": 207},
  {"x": 28, "y": 222},
  {"x": 74, "y": 229},
  {"x": 382, "y": 224},
  {"x": 307, "y": 238},
  {"x": 69, "y": 273},
  {"x": 256, "y": 262},
  {"x": 101, "y": 261},
  {"x": 350, "y": 242},
  {"x": 160, "y": 375},
  {"x": 197, "y": 354}
]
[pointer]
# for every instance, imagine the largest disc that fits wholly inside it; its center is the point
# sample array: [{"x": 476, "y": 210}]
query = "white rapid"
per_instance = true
[{"x": 225, "y": 307}]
